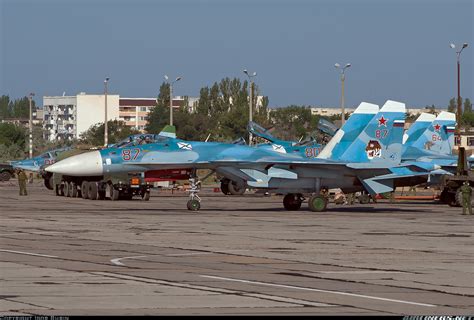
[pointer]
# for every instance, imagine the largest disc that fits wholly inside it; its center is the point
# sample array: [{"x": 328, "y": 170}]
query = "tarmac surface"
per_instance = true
[{"x": 238, "y": 255}]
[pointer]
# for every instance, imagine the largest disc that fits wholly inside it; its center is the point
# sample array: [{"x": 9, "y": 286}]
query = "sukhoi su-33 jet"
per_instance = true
[{"x": 373, "y": 155}]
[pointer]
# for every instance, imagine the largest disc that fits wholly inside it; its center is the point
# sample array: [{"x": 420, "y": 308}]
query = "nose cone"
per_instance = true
[{"x": 85, "y": 164}]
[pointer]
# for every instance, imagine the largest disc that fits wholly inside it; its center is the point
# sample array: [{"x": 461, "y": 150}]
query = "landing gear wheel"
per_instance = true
[
  {"x": 146, "y": 196},
  {"x": 85, "y": 189},
  {"x": 235, "y": 190},
  {"x": 364, "y": 199},
  {"x": 58, "y": 190},
  {"x": 194, "y": 205},
  {"x": 225, "y": 187},
  {"x": 66, "y": 189},
  {"x": 61, "y": 189},
  {"x": 292, "y": 202},
  {"x": 69, "y": 188},
  {"x": 72, "y": 190},
  {"x": 317, "y": 203},
  {"x": 48, "y": 182},
  {"x": 101, "y": 195},
  {"x": 92, "y": 190}
]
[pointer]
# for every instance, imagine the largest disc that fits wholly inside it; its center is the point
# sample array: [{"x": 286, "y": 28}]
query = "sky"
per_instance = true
[{"x": 398, "y": 49}]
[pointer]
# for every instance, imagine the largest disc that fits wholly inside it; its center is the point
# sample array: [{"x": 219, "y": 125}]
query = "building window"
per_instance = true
[
  {"x": 456, "y": 141},
  {"x": 470, "y": 141},
  {"x": 143, "y": 109}
]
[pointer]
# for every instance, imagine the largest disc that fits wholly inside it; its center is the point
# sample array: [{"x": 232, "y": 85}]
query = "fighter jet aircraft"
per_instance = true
[
  {"x": 373, "y": 154},
  {"x": 37, "y": 163}
]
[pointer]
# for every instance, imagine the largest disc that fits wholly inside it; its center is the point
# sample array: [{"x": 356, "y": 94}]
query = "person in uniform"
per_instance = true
[
  {"x": 466, "y": 198},
  {"x": 350, "y": 198},
  {"x": 22, "y": 178}
]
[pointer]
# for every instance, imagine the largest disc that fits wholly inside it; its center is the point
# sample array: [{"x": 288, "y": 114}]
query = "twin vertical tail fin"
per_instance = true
[
  {"x": 345, "y": 136},
  {"x": 417, "y": 128},
  {"x": 381, "y": 140},
  {"x": 439, "y": 135},
  {"x": 168, "y": 131}
]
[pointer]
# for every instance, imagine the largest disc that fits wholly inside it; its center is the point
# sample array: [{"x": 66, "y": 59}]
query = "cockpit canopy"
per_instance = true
[
  {"x": 139, "y": 139},
  {"x": 260, "y": 131}
]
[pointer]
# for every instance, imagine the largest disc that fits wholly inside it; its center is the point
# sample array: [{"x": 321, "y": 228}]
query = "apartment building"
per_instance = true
[{"x": 66, "y": 117}]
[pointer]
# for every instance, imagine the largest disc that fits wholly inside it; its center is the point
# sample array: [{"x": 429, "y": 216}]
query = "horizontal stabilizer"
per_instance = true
[
  {"x": 258, "y": 178},
  {"x": 377, "y": 187}
]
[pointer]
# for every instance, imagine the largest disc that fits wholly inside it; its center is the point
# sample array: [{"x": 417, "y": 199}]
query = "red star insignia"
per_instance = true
[
  {"x": 382, "y": 121},
  {"x": 437, "y": 127}
]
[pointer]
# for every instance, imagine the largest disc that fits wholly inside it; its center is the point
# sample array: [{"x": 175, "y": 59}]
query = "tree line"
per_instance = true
[
  {"x": 17, "y": 109},
  {"x": 222, "y": 114}
]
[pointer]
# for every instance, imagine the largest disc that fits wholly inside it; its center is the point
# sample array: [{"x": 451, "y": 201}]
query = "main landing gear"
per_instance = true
[
  {"x": 292, "y": 201},
  {"x": 316, "y": 203}
]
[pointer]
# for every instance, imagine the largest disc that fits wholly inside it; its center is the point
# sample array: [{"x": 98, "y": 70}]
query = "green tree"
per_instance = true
[
  {"x": 11, "y": 134},
  {"x": 468, "y": 119},
  {"x": 467, "y": 106},
  {"x": 5, "y": 111},
  {"x": 20, "y": 108},
  {"x": 118, "y": 130},
  {"x": 158, "y": 117},
  {"x": 221, "y": 112},
  {"x": 452, "y": 105},
  {"x": 293, "y": 122}
]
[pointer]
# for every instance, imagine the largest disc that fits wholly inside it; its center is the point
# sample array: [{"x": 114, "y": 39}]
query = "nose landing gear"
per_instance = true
[{"x": 194, "y": 203}]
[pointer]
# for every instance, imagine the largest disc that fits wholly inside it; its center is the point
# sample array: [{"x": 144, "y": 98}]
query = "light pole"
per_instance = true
[
  {"x": 250, "y": 76},
  {"x": 30, "y": 124},
  {"x": 459, "y": 111},
  {"x": 343, "y": 77},
  {"x": 171, "y": 97},
  {"x": 106, "y": 135}
]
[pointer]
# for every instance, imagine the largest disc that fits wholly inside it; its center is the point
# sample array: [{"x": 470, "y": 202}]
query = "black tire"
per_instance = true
[
  {"x": 101, "y": 195},
  {"x": 92, "y": 190},
  {"x": 194, "y": 205},
  {"x": 364, "y": 199},
  {"x": 235, "y": 190},
  {"x": 61, "y": 189},
  {"x": 73, "y": 190},
  {"x": 85, "y": 190},
  {"x": 48, "y": 182},
  {"x": 66, "y": 189},
  {"x": 146, "y": 196},
  {"x": 317, "y": 203},
  {"x": 292, "y": 202},
  {"x": 225, "y": 187},
  {"x": 5, "y": 176}
]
